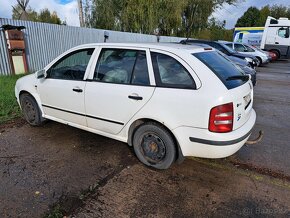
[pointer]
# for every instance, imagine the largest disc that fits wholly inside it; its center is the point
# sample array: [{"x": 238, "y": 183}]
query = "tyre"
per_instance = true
[
  {"x": 154, "y": 145},
  {"x": 277, "y": 53},
  {"x": 259, "y": 61},
  {"x": 30, "y": 110}
]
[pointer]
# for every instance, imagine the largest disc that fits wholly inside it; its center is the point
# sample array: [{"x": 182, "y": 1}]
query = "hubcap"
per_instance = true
[{"x": 153, "y": 148}]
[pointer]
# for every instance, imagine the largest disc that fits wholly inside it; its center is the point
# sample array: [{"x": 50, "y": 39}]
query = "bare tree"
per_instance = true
[{"x": 22, "y": 5}]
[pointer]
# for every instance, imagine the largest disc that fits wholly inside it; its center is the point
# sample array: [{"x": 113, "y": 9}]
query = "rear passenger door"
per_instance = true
[{"x": 119, "y": 87}]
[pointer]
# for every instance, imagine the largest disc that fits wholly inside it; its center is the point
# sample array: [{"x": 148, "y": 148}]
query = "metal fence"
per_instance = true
[{"x": 44, "y": 42}]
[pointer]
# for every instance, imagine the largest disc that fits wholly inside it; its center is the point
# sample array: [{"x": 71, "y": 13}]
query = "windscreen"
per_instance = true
[{"x": 229, "y": 73}]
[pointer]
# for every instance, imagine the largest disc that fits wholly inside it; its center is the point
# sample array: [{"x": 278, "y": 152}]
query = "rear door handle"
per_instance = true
[
  {"x": 276, "y": 42},
  {"x": 135, "y": 97},
  {"x": 77, "y": 90}
]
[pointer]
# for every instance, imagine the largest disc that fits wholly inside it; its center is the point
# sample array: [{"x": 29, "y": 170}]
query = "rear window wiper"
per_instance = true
[{"x": 239, "y": 77}]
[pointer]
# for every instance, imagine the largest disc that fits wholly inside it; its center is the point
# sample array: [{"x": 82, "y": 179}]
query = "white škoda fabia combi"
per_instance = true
[{"x": 166, "y": 100}]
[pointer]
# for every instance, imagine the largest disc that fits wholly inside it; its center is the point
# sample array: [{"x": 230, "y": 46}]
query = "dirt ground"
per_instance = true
[{"x": 57, "y": 169}]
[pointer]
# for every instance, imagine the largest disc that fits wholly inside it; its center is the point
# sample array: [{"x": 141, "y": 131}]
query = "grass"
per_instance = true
[
  {"x": 9, "y": 108},
  {"x": 55, "y": 213}
]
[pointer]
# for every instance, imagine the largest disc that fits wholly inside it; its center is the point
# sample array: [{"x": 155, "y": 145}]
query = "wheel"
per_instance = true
[
  {"x": 154, "y": 146},
  {"x": 277, "y": 53},
  {"x": 30, "y": 110},
  {"x": 259, "y": 61}
]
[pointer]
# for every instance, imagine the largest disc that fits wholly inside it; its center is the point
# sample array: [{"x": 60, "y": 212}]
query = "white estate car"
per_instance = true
[{"x": 166, "y": 100}]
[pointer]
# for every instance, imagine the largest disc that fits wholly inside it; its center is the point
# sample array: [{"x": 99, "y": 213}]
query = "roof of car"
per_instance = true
[{"x": 161, "y": 46}]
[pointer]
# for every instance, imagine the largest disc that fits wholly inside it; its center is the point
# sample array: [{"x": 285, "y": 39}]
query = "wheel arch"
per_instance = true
[
  {"x": 260, "y": 59},
  {"x": 34, "y": 95},
  {"x": 133, "y": 127}
]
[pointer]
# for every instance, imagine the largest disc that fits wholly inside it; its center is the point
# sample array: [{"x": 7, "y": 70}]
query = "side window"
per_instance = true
[
  {"x": 122, "y": 66},
  {"x": 140, "y": 74},
  {"x": 219, "y": 47},
  {"x": 170, "y": 73},
  {"x": 72, "y": 66},
  {"x": 249, "y": 49},
  {"x": 229, "y": 45},
  {"x": 283, "y": 32},
  {"x": 239, "y": 47}
]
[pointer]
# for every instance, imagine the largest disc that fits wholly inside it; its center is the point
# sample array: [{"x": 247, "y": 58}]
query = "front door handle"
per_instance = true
[
  {"x": 77, "y": 90},
  {"x": 276, "y": 43},
  {"x": 135, "y": 97}
]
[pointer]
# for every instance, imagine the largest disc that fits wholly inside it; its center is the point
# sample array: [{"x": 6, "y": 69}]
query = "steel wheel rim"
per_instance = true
[
  {"x": 29, "y": 111},
  {"x": 153, "y": 148}
]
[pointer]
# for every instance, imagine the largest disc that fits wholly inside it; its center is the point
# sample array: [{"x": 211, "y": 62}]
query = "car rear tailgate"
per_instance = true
[{"x": 242, "y": 103}]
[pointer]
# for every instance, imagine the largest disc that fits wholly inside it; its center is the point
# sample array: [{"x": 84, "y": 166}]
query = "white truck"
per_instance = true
[{"x": 276, "y": 36}]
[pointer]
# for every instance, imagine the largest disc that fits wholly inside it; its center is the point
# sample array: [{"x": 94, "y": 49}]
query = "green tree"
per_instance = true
[
  {"x": 197, "y": 12},
  {"x": 46, "y": 16},
  {"x": 264, "y": 13},
  {"x": 166, "y": 17},
  {"x": 215, "y": 31},
  {"x": 17, "y": 11},
  {"x": 254, "y": 17},
  {"x": 21, "y": 11},
  {"x": 250, "y": 18},
  {"x": 104, "y": 14},
  {"x": 151, "y": 16},
  {"x": 278, "y": 11}
]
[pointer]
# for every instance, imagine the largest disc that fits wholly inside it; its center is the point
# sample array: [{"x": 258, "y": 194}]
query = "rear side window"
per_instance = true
[
  {"x": 170, "y": 73},
  {"x": 222, "y": 67},
  {"x": 122, "y": 66}
]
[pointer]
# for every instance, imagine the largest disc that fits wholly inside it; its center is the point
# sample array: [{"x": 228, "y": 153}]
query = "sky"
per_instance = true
[
  {"x": 67, "y": 9},
  {"x": 231, "y": 13}
]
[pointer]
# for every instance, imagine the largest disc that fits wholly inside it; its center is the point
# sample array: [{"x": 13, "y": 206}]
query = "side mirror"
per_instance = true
[{"x": 41, "y": 74}]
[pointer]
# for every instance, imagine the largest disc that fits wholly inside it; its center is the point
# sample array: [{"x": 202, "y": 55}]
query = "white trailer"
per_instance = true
[{"x": 276, "y": 36}]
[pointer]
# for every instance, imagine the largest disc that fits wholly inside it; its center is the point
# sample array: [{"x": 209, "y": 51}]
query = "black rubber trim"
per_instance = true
[
  {"x": 220, "y": 143},
  {"x": 89, "y": 116},
  {"x": 248, "y": 104},
  {"x": 279, "y": 26}
]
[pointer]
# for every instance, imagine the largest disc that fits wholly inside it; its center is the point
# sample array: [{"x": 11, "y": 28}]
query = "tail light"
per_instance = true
[{"x": 221, "y": 118}]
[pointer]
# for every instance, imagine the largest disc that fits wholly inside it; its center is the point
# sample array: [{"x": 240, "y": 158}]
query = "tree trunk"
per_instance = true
[{"x": 81, "y": 16}]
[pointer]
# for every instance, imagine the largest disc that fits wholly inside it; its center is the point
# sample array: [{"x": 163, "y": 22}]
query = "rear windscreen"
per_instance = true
[{"x": 222, "y": 67}]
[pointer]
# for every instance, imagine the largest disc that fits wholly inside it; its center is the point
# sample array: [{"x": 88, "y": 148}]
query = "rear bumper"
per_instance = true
[
  {"x": 202, "y": 143},
  {"x": 220, "y": 143}
]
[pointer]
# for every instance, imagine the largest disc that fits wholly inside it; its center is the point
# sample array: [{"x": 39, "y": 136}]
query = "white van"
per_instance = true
[{"x": 276, "y": 36}]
